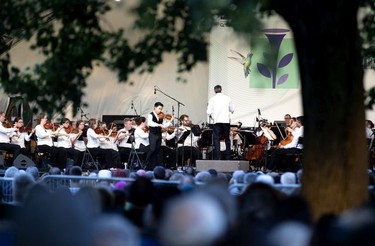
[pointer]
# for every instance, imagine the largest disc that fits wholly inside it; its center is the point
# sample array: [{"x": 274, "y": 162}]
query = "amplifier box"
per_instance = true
[{"x": 222, "y": 166}]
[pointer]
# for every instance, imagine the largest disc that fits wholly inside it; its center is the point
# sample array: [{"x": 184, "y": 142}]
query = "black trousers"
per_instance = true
[
  {"x": 154, "y": 156},
  {"x": 221, "y": 130},
  {"x": 58, "y": 155},
  {"x": 277, "y": 156},
  {"x": 12, "y": 148}
]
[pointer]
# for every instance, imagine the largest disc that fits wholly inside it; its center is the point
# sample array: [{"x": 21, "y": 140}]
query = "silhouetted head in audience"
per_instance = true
[
  {"x": 141, "y": 192},
  {"x": 22, "y": 183},
  {"x": 159, "y": 172},
  {"x": 54, "y": 171},
  {"x": 34, "y": 172},
  {"x": 193, "y": 219}
]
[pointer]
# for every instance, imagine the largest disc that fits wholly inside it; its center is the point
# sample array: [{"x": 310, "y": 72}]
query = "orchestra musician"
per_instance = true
[
  {"x": 109, "y": 142},
  {"x": 168, "y": 147},
  {"x": 65, "y": 139},
  {"x": 21, "y": 135},
  {"x": 45, "y": 143},
  {"x": 5, "y": 131},
  {"x": 122, "y": 140},
  {"x": 218, "y": 108},
  {"x": 290, "y": 147},
  {"x": 93, "y": 143},
  {"x": 141, "y": 137},
  {"x": 156, "y": 122},
  {"x": 287, "y": 119},
  {"x": 78, "y": 141},
  {"x": 187, "y": 147}
]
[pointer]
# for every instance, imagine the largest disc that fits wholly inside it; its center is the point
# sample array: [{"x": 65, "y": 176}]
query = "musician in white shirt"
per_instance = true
[
  {"x": 187, "y": 148},
  {"x": 21, "y": 135},
  {"x": 93, "y": 144},
  {"x": 65, "y": 140},
  {"x": 45, "y": 143},
  {"x": 122, "y": 140},
  {"x": 5, "y": 134}
]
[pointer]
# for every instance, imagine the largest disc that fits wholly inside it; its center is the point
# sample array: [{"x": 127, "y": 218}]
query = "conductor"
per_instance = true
[{"x": 218, "y": 108}]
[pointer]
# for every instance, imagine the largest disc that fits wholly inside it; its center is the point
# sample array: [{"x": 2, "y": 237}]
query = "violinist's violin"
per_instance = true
[
  {"x": 7, "y": 124},
  {"x": 163, "y": 115},
  {"x": 146, "y": 129}
]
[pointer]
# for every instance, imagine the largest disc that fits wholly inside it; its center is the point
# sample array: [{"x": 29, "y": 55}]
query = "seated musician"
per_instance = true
[
  {"x": 141, "y": 137},
  {"x": 21, "y": 135},
  {"x": 65, "y": 138},
  {"x": 5, "y": 131},
  {"x": 187, "y": 142},
  {"x": 93, "y": 143},
  {"x": 369, "y": 129},
  {"x": 288, "y": 120},
  {"x": 109, "y": 142},
  {"x": 290, "y": 147},
  {"x": 78, "y": 141},
  {"x": 168, "y": 144},
  {"x": 122, "y": 140},
  {"x": 45, "y": 143}
]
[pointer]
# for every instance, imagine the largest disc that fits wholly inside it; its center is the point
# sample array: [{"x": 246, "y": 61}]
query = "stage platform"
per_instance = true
[{"x": 222, "y": 166}]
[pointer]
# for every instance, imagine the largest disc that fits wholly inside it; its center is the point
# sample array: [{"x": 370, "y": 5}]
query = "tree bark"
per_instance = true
[{"x": 335, "y": 157}]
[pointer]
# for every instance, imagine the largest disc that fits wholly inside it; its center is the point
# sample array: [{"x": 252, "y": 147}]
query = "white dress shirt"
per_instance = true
[
  {"x": 92, "y": 139},
  {"x": 297, "y": 133},
  {"x": 20, "y": 138},
  {"x": 5, "y": 133},
  {"x": 219, "y": 107},
  {"x": 43, "y": 136},
  {"x": 140, "y": 137},
  {"x": 123, "y": 138}
]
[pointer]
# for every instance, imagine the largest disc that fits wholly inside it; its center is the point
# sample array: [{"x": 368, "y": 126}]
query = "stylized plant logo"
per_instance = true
[{"x": 275, "y": 37}]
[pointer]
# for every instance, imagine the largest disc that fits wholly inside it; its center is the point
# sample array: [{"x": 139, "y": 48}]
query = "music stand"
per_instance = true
[
  {"x": 89, "y": 160},
  {"x": 181, "y": 140},
  {"x": 134, "y": 154}
]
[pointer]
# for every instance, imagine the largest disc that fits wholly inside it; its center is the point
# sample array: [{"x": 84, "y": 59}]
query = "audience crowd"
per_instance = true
[{"x": 169, "y": 208}]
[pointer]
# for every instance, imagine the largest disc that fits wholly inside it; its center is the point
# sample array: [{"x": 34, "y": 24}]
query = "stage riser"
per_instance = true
[{"x": 222, "y": 166}]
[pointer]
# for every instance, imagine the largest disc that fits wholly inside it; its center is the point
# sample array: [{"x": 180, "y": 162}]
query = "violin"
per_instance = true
[
  {"x": 146, "y": 129},
  {"x": 51, "y": 126},
  {"x": 25, "y": 129},
  {"x": 7, "y": 124},
  {"x": 163, "y": 115}
]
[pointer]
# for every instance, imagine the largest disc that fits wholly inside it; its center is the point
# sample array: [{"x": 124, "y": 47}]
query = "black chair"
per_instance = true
[
  {"x": 136, "y": 157},
  {"x": 294, "y": 160},
  {"x": 42, "y": 159}
]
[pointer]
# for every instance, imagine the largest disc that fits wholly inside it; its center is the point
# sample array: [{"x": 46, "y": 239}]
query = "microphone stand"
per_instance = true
[
  {"x": 133, "y": 107},
  {"x": 83, "y": 114},
  {"x": 174, "y": 99}
]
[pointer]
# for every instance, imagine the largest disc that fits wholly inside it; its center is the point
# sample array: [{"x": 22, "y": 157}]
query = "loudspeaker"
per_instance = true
[
  {"x": 23, "y": 161},
  {"x": 222, "y": 166}
]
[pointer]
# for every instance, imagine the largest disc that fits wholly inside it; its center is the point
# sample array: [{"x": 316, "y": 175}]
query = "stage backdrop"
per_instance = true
[{"x": 272, "y": 87}]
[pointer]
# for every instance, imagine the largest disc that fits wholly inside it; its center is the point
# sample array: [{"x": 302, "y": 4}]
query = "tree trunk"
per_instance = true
[{"x": 335, "y": 159}]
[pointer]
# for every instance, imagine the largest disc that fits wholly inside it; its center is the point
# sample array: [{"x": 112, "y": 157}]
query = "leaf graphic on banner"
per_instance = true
[
  {"x": 285, "y": 60},
  {"x": 282, "y": 79},
  {"x": 264, "y": 70}
]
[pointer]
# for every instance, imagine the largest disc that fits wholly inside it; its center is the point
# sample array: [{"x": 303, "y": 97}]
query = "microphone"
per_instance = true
[
  {"x": 132, "y": 105},
  {"x": 154, "y": 89},
  {"x": 259, "y": 112},
  {"x": 172, "y": 109}
]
